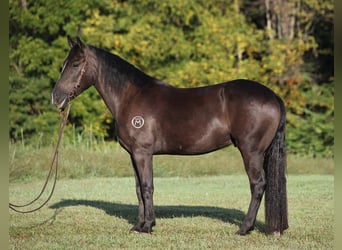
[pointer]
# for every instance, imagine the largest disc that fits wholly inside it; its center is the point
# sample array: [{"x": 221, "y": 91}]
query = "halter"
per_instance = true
[{"x": 73, "y": 94}]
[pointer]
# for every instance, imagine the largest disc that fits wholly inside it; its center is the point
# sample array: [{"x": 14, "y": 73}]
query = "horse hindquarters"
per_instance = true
[
  {"x": 257, "y": 118},
  {"x": 266, "y": 172}
]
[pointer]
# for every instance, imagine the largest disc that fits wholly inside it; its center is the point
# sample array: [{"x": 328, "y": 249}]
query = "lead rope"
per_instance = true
[{"x": 63, "y": 120}]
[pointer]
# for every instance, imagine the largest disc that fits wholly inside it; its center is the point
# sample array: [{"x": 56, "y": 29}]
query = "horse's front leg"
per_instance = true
[
  {"x": 142, "y": 163},
  {"x": 141, "y": 214}
]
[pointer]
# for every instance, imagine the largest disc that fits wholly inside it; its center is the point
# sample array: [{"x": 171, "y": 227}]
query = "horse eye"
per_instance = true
[{"x": 75, "y": 64}]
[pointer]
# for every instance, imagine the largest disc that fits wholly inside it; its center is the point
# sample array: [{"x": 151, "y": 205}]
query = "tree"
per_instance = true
[
  {"x": 300, "y": 39},
  {"x": 186, "y": 43},
  {"x": 37, "y": 50}
]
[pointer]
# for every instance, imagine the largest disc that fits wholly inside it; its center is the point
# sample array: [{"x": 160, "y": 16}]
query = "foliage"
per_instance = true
[
  {"x": 31, "y": 116},
  {"x": 310, "y": 127},
  {"x": 185, "y": 43}
]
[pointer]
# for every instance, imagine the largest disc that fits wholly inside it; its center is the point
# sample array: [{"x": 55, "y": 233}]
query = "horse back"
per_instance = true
[{"x": 197, "y": 120}]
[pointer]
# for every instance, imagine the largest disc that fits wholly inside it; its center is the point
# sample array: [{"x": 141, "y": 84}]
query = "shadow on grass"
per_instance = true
[{"x": 130, "y": 212}]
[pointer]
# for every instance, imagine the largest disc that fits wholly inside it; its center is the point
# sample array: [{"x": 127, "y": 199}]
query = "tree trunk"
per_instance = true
[
  {"x": 269, "y": 20},
  {"x": 24, "y": 4},
  {"x": 281, "y": 18}
]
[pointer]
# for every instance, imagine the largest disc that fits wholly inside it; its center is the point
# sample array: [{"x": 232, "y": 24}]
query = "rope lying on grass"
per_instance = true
[{"x": 18, "y": 208}]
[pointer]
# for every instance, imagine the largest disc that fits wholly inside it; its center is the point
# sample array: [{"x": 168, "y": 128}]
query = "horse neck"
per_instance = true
[{"x": 117, "y": 80}]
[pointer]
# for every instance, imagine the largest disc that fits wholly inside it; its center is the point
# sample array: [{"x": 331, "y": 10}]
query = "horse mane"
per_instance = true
[{"x": 120, "y": 72}]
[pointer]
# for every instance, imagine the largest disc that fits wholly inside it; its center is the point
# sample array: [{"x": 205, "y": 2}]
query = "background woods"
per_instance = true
[{"x": 287, "y": 45}]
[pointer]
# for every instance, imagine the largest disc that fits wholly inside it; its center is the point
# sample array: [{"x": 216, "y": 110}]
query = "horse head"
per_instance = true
[{"x": 74, "y": 77}]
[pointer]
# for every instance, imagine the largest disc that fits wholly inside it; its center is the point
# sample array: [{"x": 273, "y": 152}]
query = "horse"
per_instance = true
[{"x": 153, "y": 117}]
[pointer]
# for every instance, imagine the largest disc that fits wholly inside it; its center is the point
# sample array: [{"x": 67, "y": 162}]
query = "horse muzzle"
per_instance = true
[{"x": 59, "y": 99}]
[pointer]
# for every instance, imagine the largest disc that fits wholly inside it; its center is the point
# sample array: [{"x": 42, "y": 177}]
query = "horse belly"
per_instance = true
[{"x": 192, "y": 140}]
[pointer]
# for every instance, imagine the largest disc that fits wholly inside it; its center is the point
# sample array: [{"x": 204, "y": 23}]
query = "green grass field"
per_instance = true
[
  {"x": 200, "y": 202},
  {"x": 192, "y": 213}
]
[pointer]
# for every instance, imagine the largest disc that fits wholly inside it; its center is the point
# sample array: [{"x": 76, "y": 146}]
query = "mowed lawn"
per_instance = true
[{"x": 192, "y": 213}]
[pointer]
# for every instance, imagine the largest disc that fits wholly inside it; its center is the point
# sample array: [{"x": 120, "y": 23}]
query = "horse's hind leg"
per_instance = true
[{"x": 253, "y": 162}]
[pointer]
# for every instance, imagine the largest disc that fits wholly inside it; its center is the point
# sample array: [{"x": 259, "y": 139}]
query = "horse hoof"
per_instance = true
[
  {"x": 146, "y": 230},
  {"x": 244, "y": 230},
  {"x": 241, "y": 233},
  {"x": 276, "y": 233},
  {"x": 135, "y": 229}
]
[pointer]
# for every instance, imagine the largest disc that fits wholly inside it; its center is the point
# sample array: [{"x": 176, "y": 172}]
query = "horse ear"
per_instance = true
[
  {"x": 70, "y": 42},
  {"x": 73, "y": 43},
  {"x": 79, "y": 42}
]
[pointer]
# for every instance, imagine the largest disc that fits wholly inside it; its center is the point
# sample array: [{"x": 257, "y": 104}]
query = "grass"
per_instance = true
[
  {"x": 192, "y": 213},
  {"x": 200, "y": 201},
  {"x": 29, "y": 163}
]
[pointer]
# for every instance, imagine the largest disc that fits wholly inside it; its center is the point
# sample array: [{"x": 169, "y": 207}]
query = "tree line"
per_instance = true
[{"x": 286, "y": 45}]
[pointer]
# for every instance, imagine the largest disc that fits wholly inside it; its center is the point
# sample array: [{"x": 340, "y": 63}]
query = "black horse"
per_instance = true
[{"x": 153, "y": 117}]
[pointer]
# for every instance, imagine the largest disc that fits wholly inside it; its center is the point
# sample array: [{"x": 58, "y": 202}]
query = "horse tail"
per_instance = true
[{"x": 276, "y": 218}]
